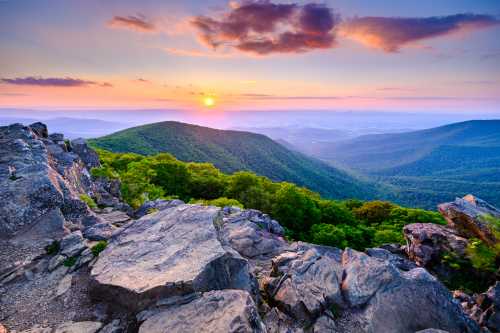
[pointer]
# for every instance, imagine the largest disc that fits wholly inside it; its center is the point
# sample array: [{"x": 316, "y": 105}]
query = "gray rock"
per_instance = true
[
  {"x": 40, "y": 129},
  {"x": 78, "y": 327},
  {"x": 427, "y": 242},
  {"x": 113, "y": 327},
  {"x": 56, "y": 137},
  {"x": 383, "y": 295},
  {"x": 432, "y": 330},
  {"x": 251, "y": 239},
  {"x": 156, "y": 205},
  {"x": 99, "y": 232},
  {"x": 173, "y": 252},
  {"x": 55, "y": 262},
  {"x": 117, "y": 218},
  {"x": 307, "y": 281},
  {"x": 466, "y": 215},
  {"x": 399, "y": 261},
  {"x": 231, "y": 311},
  {"x": 262, "y": 220},
  {"x": 87, "y": 154},
  {"x": 39, "y": 184},
  {"x": 72, "y": 245},
  {"x": 64, "y": 285}
]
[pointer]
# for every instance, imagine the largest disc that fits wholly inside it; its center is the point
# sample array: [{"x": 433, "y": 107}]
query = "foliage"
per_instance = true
[
  {"x": 303, "y": 213},
  {"x": 53, "y": 248},
  {"x": 220, "y": 202},
  {"x": 99, "y": 247},
  {"x": 88, "y": 200},
  {"x": 481, "y": 255},
  {"x": 70, "y": 262}
]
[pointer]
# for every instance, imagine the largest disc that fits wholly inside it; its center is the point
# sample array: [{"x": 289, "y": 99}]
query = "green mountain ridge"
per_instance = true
[
  {"x": 428, "y": 166},
  {"x": 232, "y": 151}
]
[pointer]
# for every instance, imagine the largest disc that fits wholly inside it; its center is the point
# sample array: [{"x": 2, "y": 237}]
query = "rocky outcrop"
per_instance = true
[
  {"x": 168, "y": 253},
  {"x": 467, "y": 216},
  {"x": 427, "y": 243},
  {"x": 252, "y": 234},
  {"x": 483, "y": 308},
  {"x": 40, "y": 182},
  {"x": 156, "y": 205},
  {"x": 231, "y": 311}
]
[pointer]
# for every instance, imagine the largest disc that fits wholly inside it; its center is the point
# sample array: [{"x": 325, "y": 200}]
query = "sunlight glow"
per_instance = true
[{"x": 209, "y": 101}]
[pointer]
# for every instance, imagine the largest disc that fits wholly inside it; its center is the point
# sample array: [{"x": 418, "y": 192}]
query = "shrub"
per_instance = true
[
  {"x": 374, "y": 212},
  {"x": 88, "y": 200},
  {"x": 53, "y": 248},
  {"x": 481, "y": 255},
  {"x": 219, "y": 202},
  {"x": 71, "y": 261},
  {"x": 98, "y": 248}
]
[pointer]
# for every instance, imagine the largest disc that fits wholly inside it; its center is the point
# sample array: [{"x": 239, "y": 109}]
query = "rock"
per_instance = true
[
  {"x": 3, "y": 329},
  {"x": 72, "y": 245},
  {"x": 55, "y": 262},
  {"x": 99, "y": 232},
  {"x": 113, "y": 327},
  {"x": 86, "y": 257},
  {"x": 40, "y": 129},
  {"x": 231, "y": 311},
  {"x": 278, "y": 322},
  {"x": 383, "y": 295},
  {"x": 432, "y": 330},
  {"x": 467, "y": 216},
  {"x": 78, "y": 327},
  {"x": 157, "y": 205},
  {"x": 493, "y": 294},
  {"x": 307, "y": 281},
  {"x": 87, "y": 154},
  {"x": 173, "y": 252},
  {"x": 250, "y": 238},
  {"x": 397, "y": 260},
  {"x": 325, "y": 323},
  {"x": 56, "y": 137},
  {"x": 427, "y": 242},
  {"x": 117, "y": 218},
  {"x": 64, "y": 285},
  {"x": 39, "y": 184},
  {"x": 262, "y": 220}
]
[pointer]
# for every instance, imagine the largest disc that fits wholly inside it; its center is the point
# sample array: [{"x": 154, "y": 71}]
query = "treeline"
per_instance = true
[{"x": 304, "y": 214}]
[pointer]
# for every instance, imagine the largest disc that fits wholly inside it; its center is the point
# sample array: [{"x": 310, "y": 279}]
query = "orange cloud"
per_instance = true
[{"x": 136, "y": 23}]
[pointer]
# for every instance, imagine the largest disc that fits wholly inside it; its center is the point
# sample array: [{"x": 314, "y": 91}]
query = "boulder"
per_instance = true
[
  {"x": 173, "y": 252},
  {"x": 88, "y": 155},
  {"x": 99, "y": 231},
  {"x": 72, "y": 244},
  {"x": 156, "y": 205},
  {"x": 40, "y": 129},
  {"x": 306, "y": 281},
  {"x": 383, "y": 295},
  {"x": 251, "y": 236},
  {"x": 231, "y": 311},
  {"x": 428, "y": 242},
  {"x": 38, "y": 181},
  {"x": 397, "y": 260},
  {"x": 467, "y": 216}
]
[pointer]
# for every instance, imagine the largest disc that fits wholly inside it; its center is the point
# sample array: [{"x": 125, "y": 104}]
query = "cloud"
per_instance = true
[
  {"x": 137, "y": 23},
  {"x": 52, "y": 82},
  {"x": 262, "y": 27},
  {"x": 392, "y": 33}
]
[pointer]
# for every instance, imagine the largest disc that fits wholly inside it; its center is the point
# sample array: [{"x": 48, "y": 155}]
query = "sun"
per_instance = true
[{"x": 208, "y": 101}]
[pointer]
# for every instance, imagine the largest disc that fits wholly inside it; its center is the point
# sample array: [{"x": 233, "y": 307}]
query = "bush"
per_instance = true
[
  {"x": 481, "y": 255},
  {"x": 220, "y": 202},
  {"x": 88, "y": 200},
  {"x": 53, "y": 248},
  {"x": 98, "y": 248},
  {"x": 70, "y": 262},
  {"x": 374, "y": 212},
  {"x": 328, "y": 234}
]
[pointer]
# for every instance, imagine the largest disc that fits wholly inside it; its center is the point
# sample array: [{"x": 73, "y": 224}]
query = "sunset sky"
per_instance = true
[{"x": 247, "y": 55}]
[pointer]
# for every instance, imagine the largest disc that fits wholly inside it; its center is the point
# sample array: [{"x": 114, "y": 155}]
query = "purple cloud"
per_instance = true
[
  {"x": 52, "y": 82},
  {"x": 391, "y": 33},
  {"x": 262, "y": 27},
  {"x": 136, "y": 23}
]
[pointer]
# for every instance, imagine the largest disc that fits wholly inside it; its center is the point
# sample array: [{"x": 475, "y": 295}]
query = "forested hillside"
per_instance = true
[
  {"x": 232, "y": 151},
  {"x": 429, "y": 166}
]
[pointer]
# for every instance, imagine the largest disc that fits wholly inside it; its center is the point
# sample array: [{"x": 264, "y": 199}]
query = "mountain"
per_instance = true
[
  {"x": 232, "y": 151},
  {"x": 428, "y": 166}
]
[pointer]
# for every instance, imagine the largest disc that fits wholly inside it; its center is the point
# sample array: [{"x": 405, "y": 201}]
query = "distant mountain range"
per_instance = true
[
  {"x": 232, "y": 151},
  {"x": 428, "y": 166}
]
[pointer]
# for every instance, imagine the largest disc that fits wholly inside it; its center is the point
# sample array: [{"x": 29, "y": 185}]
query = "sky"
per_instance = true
[{"x": 251, "y": 55}]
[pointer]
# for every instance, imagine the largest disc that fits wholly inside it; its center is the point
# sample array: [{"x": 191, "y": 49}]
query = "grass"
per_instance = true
[
  {"x": 88, "y": 200},
  {"x": 98, "y": 248}
]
